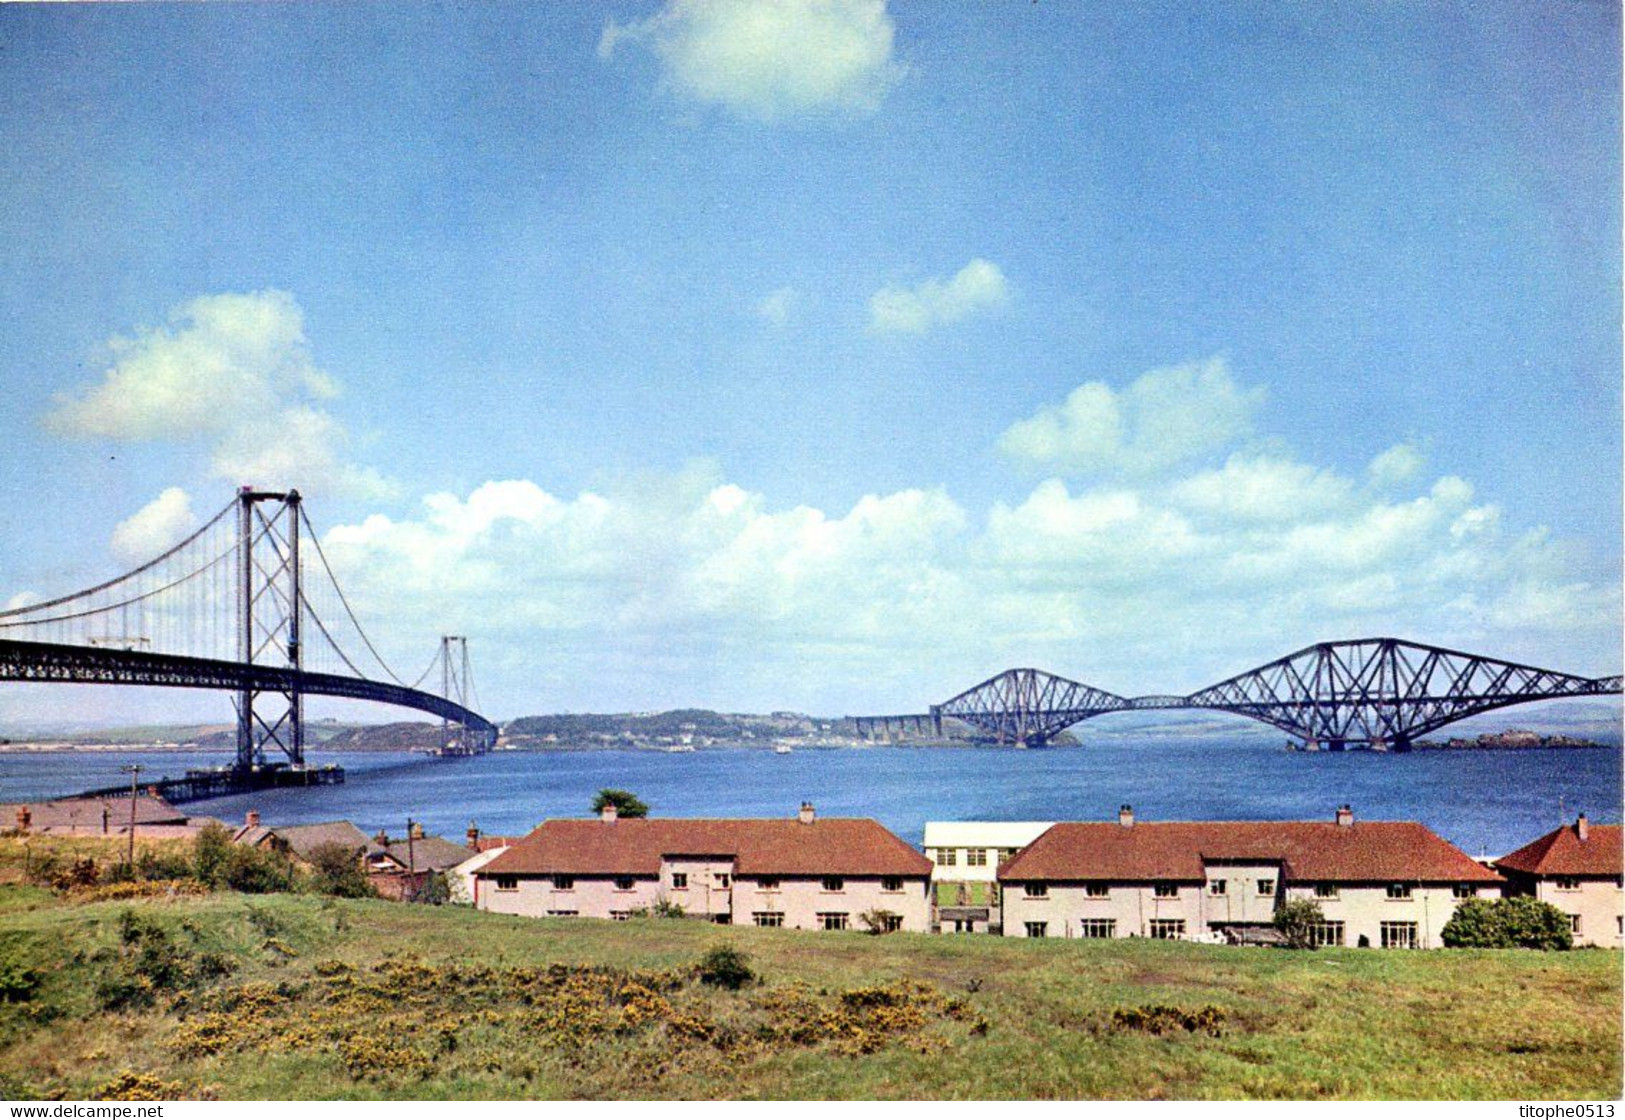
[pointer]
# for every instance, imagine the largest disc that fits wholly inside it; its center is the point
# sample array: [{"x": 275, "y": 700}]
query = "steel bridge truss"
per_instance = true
[
  {"x": 1382, "y": 693},
  {"x": 1027, "y": 706}
]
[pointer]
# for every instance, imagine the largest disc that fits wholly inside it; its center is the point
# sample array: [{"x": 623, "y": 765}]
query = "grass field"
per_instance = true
[{"x": 298, "y": 996}]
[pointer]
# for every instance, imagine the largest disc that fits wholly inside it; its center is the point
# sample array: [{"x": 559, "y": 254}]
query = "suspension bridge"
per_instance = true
[
  {"x": 1381, "y": 693},
  {"x": 231, "y": 609}
]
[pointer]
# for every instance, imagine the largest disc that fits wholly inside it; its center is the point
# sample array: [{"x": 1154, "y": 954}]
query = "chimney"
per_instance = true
[
  {"x": 25, "y": 817},
  {"x": 806, "y": 815},
  {"x": 1345, "y": 816},
  {"x": 416, "y": 831},
  {"x": 382, "y": 839},
  {"x": 252, "y": 820},
  {"x": 473, "y": 837},
  {"x": 1125, "y": 816},
  {"x": 1582, "y": 828},
  {"x": 608, "y": 813}
]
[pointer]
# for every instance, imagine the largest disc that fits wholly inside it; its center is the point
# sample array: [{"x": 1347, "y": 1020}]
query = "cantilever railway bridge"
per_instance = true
[
  {"x": 231, "y": 608},
  {"x": 1378, "y": 692}
]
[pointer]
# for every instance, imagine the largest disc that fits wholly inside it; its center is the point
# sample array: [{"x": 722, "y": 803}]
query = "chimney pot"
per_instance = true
[
  {"x": 252, "y": 819},
  {"x": 416, "y": 831},
  {"x": 806, "y": 815},
  {"x": 609, "y": 812},
  {"x": 1125, "y": 816},
  {"x": 1582, "y": 827},
  {"x": 473, "y": 836},
  {"x": 382, "y": 839},
  {"x": 25, "y": 817},
  {"x": 1345, "y": 816}
]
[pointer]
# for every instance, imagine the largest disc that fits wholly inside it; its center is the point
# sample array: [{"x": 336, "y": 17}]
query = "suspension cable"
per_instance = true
[
  {"x": 120, "y": 579},
  {"x": 344, "y": 602}
]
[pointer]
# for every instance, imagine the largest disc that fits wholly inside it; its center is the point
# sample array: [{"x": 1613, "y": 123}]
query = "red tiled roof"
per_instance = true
[
  {"x": 1562, "y": 852},
  {"x": 758, "y": 847},
  {"x": 1365, "y": 851}
]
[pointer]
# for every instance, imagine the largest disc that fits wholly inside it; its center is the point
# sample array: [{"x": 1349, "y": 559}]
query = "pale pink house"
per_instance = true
[
  {"x": 798, "y": 873},
  {"x": 1580, "y": 869},
  {"x": 1384, "y": 884}
]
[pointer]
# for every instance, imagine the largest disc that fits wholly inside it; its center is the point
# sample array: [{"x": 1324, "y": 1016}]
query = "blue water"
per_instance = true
[{"x": 1486, "y": 802}]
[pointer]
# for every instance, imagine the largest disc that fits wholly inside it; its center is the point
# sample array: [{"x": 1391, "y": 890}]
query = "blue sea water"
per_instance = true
[{"x": 1486, "y": 802}]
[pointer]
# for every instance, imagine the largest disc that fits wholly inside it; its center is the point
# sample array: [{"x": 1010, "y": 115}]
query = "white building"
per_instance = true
[{"x": 965, "y": 859}]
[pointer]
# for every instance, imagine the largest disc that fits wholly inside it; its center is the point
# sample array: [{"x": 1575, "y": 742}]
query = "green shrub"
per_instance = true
[
  {"x": 211, "y": 851},
  {"x": 1297, "y": 921},
  {"x": 19, "y": 979},
  {"x": 877, "y": 921},
  {"x": 257, "y": 870},
  {"x": 1507, "y": 923},
  {"x": 336, "y": 870},
  {"x": 725, "y": 967}
]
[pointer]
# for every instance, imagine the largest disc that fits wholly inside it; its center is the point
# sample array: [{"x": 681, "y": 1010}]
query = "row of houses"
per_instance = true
[{"x": 1383, "y": 884}]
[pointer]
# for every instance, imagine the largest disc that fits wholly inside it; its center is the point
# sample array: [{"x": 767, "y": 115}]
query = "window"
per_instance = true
[
  {"x": 1096, "y": 890},
  {"x": 1266, "y": 888},
  {"x": 892, "y": 884},
  {"x": 1216, "y": 886},
  {"x": 1564, "y": 883},
  {"x": 1398, "y": 935},
  {"x": 1037, "y": 929},
  {"x": 1167, "y": 929},
  {"x": 827, "y": 920},
  {"x": 1006, "y": 854},
  {"x": 723, "y": 880},
  {"x": 623, "y": 882},
  {"x": 976, "y": 857},
  {"x": 1325, "y": 890},
  {"x": 834, "y": 884},
  {"x": 890, "y": 923},
  {"x": 1097, "y": 927},
  {"x": 1165, "y": 890},
  {"x": 1035, "y": 890},
  {"x": 771, "y": 919},
  {"x": 507, "y": 882},
  {"x": 947, "y": 857},
  {"x": 1574, "y": 924},
  {"x": 1399, "y": 890},
  {"x": 767, "y": 884},
  {"x": 1326, "y": 933},
  {"x": 620, "y": 915},
  {"x": 563, "y": 913},
  {"x": 564, "y": 882},
  {"x": 1465, "y": 890},
  {"x": 679, "y": 880},
  {"x": 723, "y": 919}
]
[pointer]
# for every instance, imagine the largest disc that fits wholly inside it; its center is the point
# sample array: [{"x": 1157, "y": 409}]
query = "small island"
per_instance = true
[{"x": 1510, "y": 741}]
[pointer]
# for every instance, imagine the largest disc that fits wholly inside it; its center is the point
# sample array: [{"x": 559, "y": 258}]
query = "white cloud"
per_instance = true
[
  {"x": 1165, "y": 417},
  {"x": 979, "y": 286},
  {"x": 689, "y": 589},
  {"x": 771, "y": 59},
  {"x": 161, "y": 523},
  {"x": 232, "y": 372},
  {"x": 777, "y": 305},
  {"x": 1400, "y": 463}
]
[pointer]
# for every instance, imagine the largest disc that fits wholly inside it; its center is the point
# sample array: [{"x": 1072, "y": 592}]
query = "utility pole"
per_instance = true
[
  {"x": 135, "y": 773},
  {"x": 411, "y": 856}
]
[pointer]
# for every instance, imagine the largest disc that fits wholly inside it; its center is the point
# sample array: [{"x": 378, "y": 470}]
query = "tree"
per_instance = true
[
  {"x": 211, "y": 851},
  {"x": 626, "y": 804},
  {"x": 1507, "y": 923},
  {"x": 336, "y": 869},
  {"x": 1297, "y": 921}
]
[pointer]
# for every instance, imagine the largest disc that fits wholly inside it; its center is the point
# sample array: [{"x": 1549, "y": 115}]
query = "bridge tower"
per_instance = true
[
  {"x": 269, "y": 610},
  {"x": 456, "y": 684}
]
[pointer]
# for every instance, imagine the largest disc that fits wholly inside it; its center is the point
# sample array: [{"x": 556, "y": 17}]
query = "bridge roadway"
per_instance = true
[{"x": 50, "y": 662}]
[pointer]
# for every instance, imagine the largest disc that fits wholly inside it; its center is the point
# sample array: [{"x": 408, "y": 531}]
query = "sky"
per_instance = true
[{"x": 828, "y": 356}]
